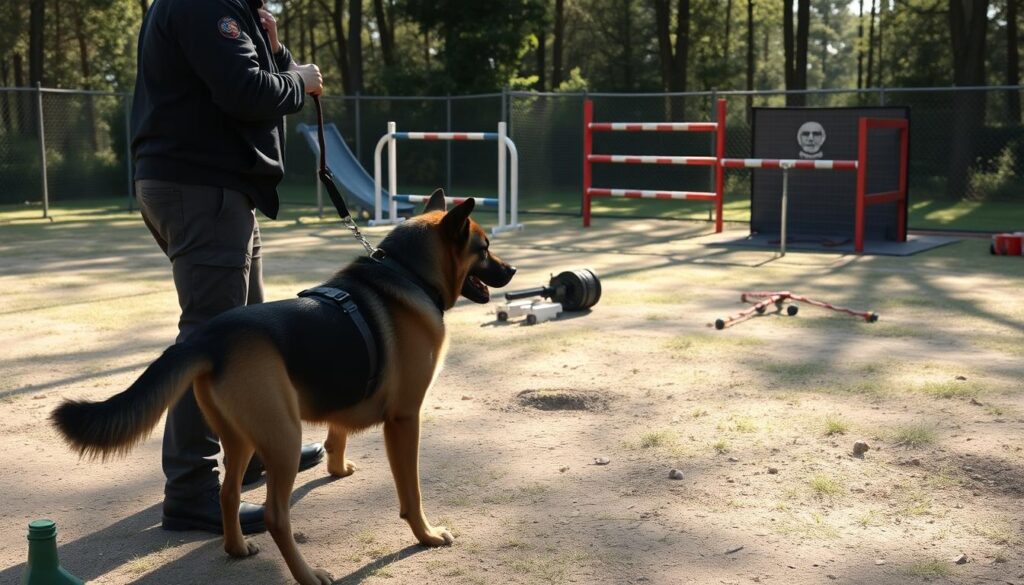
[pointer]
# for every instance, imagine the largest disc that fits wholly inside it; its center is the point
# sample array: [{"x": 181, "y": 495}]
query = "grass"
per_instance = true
[
  {"x": 743, "y": 424},
  {"x": 950, "y": 389},
  {"x": 913, "y": 436},
  {"x": 824, "y": 485},
  {"x": 835, "y": 425},
  {"x": 720, "y": 446},
  {"x": 930, "y": 568},
  {"x": 655, "y": 439}
]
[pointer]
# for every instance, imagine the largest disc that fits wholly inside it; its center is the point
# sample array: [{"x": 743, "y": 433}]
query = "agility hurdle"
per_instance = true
[
  {"x": 864, "y": 199},
  {"x": 589, "y": 158},
  {"x": 507, "y": 154}
]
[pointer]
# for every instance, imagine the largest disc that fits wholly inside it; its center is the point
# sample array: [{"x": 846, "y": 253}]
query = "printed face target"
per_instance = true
[{"x": 811, "y": 137}]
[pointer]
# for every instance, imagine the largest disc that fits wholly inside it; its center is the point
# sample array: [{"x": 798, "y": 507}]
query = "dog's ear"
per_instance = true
[
  {"x": 436, "y": 202},
  {"x": 456, "y": 221}
]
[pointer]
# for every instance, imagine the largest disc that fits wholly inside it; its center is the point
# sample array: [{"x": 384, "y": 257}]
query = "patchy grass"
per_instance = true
[
  {"x": 655, "y": 439},
  {"x": 930, "y": 568},
  {"x": 720, "y": 446},
  {"x": 824, "y": 485},
  {"x": 743, "y": 424},
  {"x": 950, "y": 389},
  {"x": 699, "y": 341},
  {"x": 835, "y": 425},
  {"x": 794, "y": 371},
  {"x": 913, "y": 436}
]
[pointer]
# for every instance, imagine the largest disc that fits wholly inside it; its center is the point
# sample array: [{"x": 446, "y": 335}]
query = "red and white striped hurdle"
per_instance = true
[
  {"x": 507, "y": 153},
  {"x": 589, "y": 158}
]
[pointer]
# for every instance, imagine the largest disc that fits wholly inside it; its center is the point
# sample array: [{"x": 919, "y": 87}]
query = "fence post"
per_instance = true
[
  {"x": 128, "y": 149},
  {"x": 714, "y": 141},
  {"x": 42, "y": 150},
  {"x": 448, "y": 146},
  {"x": 881, "y": 96}
]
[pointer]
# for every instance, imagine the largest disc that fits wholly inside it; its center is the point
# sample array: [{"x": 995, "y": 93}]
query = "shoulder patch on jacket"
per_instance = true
[{"x": 229, "y": 28}]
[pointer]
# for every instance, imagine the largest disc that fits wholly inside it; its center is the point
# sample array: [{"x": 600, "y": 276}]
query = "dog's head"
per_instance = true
[{"x": 467, "y": 264}]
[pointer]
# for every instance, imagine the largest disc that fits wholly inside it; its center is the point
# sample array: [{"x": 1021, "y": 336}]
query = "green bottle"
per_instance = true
[{"x": 43, "y": 568}]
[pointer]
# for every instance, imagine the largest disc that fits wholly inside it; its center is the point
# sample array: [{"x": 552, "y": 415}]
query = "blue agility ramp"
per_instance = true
[{"x": 350, "y": 176}]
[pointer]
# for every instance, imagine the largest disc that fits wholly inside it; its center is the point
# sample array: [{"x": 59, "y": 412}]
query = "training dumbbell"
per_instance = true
[{"x": 576, "y": 290}]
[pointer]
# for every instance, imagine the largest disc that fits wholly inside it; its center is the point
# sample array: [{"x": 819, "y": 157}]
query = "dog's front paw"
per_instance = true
[
  {"x": 246, "y": 549},
  {"x": 322, "y": 577},
  {"x": 437, "y": 536},
  {"x": 346, "y": 468}
]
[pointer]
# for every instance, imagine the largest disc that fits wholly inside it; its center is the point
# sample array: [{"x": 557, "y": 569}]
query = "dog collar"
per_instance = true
[{"x": 402, "y": 270}]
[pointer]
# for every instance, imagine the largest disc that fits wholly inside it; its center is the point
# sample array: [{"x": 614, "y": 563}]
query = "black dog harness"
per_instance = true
[{"x": 343, "y": 301}]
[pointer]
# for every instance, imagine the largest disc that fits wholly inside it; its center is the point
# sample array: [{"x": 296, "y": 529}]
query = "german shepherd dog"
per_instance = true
[{"x": 258, "y": 371}]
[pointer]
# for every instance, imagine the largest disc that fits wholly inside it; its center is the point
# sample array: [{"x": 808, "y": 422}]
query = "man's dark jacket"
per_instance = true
[{"x": 210, "y": 99}]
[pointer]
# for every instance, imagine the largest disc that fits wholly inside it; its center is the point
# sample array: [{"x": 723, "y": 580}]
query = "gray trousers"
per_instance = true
[{"x": 212, "y": 239}]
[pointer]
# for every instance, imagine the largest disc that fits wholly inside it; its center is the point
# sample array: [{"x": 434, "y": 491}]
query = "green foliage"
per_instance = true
[{"x": 997, "y": 178}]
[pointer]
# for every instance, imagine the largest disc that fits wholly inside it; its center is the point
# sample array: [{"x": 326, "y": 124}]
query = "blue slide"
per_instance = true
[{"x": 350, "y": 176}]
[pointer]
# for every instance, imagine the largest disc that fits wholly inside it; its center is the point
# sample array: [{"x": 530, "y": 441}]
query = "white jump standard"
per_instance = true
[{"x": 506, "y": 150}]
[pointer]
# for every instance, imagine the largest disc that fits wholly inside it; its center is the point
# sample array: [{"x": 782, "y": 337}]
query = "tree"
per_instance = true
[
  {"x": 860, "y": 45},
  {"x": 1012, "y": 62},
  {"x": 673, "y": 60},
  {"x": 968, "y": 24},
  {"x": 750, "y": 57},
  {"x": 871, "y": 46},
  {"x": 37, "y": 16},
  {"x": 557, "y": 44},
  {"x": 795, "y": 54},
  {"x": 355, "y": 47},
  {"x": 385, "y": 28}
]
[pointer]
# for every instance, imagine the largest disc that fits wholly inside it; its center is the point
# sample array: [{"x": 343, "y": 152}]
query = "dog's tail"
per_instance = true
[{"x": 115, "y": 425}]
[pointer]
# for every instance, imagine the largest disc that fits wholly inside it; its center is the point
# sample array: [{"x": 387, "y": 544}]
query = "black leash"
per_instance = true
[{"x": 327, "y": 178}]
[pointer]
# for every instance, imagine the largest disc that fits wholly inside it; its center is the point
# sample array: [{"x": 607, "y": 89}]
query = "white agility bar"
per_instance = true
[
  {"x": 653, "y": 126},
  {"x": 652, "y": 160},
  {"x": 767, "y": 163},
  {"x": 502, "y": 164},
  {"x": 392, "y": 173},
  {"x": 651, "y": 194}
]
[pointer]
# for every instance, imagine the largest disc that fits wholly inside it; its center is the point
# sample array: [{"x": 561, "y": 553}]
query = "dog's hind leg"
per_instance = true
[
  {"x": 337, "y": 465},
  {"x": 237, "y": 452},
  {"x": 402, "y": 438},
  {"x": 281, "y": 458}
]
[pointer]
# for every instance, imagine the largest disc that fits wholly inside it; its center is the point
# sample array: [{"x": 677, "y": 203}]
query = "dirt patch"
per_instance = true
[{"x": 563, "y": 399}]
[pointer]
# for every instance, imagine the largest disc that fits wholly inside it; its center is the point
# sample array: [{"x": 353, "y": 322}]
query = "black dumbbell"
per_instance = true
[{"x": 576, "y": 290}]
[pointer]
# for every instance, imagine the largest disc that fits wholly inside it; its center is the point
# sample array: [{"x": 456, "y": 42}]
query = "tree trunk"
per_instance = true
[
  {"x": 355, "y": 46},
  {"x": 682, "y": 56},
  {"x": 541, "y": 61},
  {"x": 26, "y": 111},
  {"x": 337, "y": 15},
  {"x": 57, "y": 59},
  {"x": 1012, "y": 62},
  {"x": 860, "y": 46},
  {"x": 968, "y": 24},
  {"x": 83, "y": 55},
  {"x": 627, "y": 45},
  {"x": 556, "y": 45},
  {"x": 36, "y": 19},
  {"x": 750, "y": 59},
  {"x": 871, "y": 47},
  {"x": 5, "y": 104},
  {"x": 728, "y": 31},
  {"x": 787, "y": 50},
  {"x": 880, "y": 78},
  {"x": 386, "y": 31},
  {"x": 662, "y": 15},
  {"x": 803, "y": 26}
]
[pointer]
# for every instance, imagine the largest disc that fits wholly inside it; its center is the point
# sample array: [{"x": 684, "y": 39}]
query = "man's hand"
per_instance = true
[
  {"x": 311, "y": 78},
  {"x": 270, "y": 25}
]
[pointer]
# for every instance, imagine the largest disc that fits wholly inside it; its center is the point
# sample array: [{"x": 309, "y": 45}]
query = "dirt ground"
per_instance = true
[{"x": 759, "y": 419}]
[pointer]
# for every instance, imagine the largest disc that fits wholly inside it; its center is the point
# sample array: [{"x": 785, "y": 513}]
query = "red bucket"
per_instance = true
[{"x": 1008, "y": 244}]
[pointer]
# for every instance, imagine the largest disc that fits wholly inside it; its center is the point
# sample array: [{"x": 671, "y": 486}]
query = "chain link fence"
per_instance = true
[{"x": 967, "y": 147}]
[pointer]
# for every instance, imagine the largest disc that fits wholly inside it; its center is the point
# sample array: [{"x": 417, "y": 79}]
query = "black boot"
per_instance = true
[
  {"x": 202, "y": 512},
  {"x": 310, "y": 456}
]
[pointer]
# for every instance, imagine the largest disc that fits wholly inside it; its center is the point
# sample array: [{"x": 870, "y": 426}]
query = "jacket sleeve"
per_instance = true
[
  {"x": 283, "y": 58},
  {"x": 219, "y": 50}
]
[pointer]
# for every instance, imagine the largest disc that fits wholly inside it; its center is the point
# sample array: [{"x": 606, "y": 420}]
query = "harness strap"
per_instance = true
[{"x": 344, "y": 301}]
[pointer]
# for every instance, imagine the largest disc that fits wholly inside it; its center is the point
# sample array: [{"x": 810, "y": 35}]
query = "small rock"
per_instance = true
[
  {"x": 563, "y": 469},
  {"x": 467, "y": 398},
  {"x": 733, "y": 460},
  {"x": 879, "y": 562},
  {"x": 602, "y": 461},
  {"x": 961, "y": 560},
  {"x": 675, "y": 474},
  {"x": 734, "y": 550},
  {"x": 301, "y": 538},
  {"x": 961, "y": 377},
  {"x": 773, "y": 470},
  {"x": 976, "y": 402},
  {"x": 860, "y": 448}
]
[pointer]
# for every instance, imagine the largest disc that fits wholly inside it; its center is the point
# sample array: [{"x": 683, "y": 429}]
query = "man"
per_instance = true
[{"x": 212, "y": 90}]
